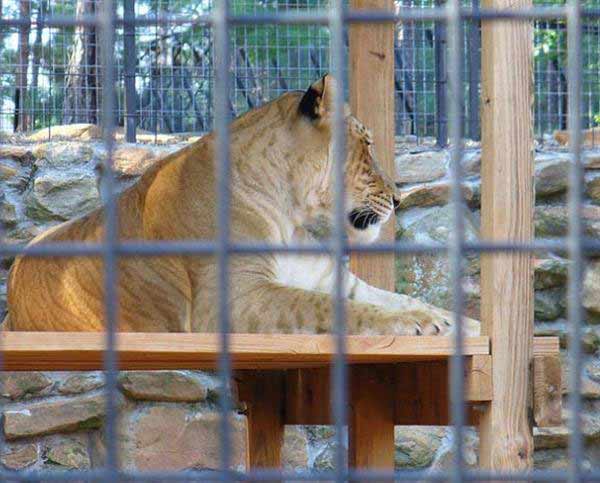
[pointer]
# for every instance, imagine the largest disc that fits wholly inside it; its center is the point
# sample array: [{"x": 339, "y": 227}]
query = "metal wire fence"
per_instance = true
[
  {"x": 51, "y": 75},
  {"x": 223, "y": 22}
]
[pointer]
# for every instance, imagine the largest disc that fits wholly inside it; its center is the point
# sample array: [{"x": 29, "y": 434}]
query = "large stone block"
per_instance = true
[
  {"x": 20, "y": 456},
  {"x": 67, "y": 453},
  {"x": 178, "y": 386},
  {"x": 421, "y": 167},
  {"x": 416, "y": 447},
  {"x": 61, "y": 196},
  {"x": 55, "y": 415},
  {"x": 80, "y": 383},
  {"x": 19, "y": 385},
  {"x": 551, "y": 174},
  {"x": 176, "y": 437}
]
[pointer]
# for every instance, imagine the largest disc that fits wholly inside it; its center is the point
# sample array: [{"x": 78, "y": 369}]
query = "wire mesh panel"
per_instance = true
[
  {"x": 198, "y": 68},
  {"x": 51, "y": 75}
]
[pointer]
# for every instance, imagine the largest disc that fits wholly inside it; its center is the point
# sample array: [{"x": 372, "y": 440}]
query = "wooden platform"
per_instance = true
[
  {"x": 65, "y": 351},
  {"x": 286, "y": 379}
]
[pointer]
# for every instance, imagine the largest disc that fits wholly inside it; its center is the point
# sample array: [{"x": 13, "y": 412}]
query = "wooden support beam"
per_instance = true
[
  {"x": 478, "y": 378},
  {"x": 371, "y": 418},
  {"x": 372, "y": 101},
  {"x": 422, "y": 394},
  {"x": 507, "y": 215},
  {"x": 263, "y": 393},
  {"x": 547, "y": 394},
  {"x": 419, "y": 390},
  {"x": 307, "y": 394}
]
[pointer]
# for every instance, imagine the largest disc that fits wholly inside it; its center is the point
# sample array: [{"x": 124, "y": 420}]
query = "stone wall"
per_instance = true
[
  {"x": 423, "y": 179},
  {"x": 168, "y": 418}
]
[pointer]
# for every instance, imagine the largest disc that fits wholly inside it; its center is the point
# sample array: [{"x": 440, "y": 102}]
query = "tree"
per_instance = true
[
  {"x": 37, "y": 48},
  {"x": 81, "y": 83},
  {"x": 20, "y": 120}
]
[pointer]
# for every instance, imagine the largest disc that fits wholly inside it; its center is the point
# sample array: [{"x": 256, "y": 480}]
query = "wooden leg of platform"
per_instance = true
[
  {"x": 371, "y": 418},
  {"x": 263, "y": 394}
]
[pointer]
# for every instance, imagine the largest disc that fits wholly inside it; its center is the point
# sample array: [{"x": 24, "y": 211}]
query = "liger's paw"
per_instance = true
[
  {"x": 441, "y": 326},
  {"x": 420, "y": 323}
]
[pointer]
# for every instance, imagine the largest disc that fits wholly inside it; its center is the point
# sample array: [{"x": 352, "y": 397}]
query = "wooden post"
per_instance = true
[
  {"x": 263, "y": 394},
  {"x": 507, "y": 215},
  {"x": 547, "y": 394},
  {"x": 371, "y": 425},
  {"x": 372, "y": 101}
]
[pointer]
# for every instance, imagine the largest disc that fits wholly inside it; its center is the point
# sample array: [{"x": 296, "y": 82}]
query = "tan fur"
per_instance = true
[{"x": 281, "y": 181}]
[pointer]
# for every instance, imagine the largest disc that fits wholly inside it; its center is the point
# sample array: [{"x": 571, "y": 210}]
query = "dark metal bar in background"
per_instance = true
[
  {"x": 474, "y": 53},
  {"x": 111, "y": 236},
  {"x": 574, "y": 238},
  {"x": 129, "y": 67},
  {"x": 441, "y": 79}
]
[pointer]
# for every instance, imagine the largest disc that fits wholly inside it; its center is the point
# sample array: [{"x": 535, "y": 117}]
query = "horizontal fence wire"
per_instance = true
[
  {"x": 221, "y": 20},
  {"x": 275, "y": 47},
  {"x": 195, "y": 248},
  {"x": 271, "y": 475}
]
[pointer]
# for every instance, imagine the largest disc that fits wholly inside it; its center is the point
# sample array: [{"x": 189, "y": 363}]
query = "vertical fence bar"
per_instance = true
[
  {"x": 338, "y": 236},
  {"x": 441, "y": 79},
  {"x": 106, "y": 24},
  {"x": 507, "y": 215},
  {"x": 474, "y": 74},
  {"x": 222, "y": 117},
  {"x": 129, "y": 66},
  {"x": 574, "y": 239},
  {"x": 455, "y": 252}
]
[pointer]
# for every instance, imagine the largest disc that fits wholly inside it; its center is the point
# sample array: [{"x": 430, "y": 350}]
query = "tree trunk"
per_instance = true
[
  {"x": 405, "y": 50},
  {"x": 37, "y": 55},
  {"x": 177, "y": 85},
  {"x": 81, "y": 84},
  {"x": 20, "y": 121}
]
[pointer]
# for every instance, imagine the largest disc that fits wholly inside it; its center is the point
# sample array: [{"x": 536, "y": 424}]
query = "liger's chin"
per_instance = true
[{"x": 364, "y": 236}]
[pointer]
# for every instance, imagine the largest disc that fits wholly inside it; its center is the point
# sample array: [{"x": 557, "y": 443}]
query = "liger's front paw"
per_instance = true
[
  {"x": 440, "y": 326},
  {"x": 421, "y": 323}
]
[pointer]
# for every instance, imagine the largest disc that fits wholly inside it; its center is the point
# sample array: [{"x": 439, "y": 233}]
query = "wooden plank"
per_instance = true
[
  {"x": 307, "y": 396},
  {"x": 507, "y": 215},
  {"x": 263, "y": 393},
  {"x": 478, "y": 378},
  {"x": 26, "y": 351},
  {"x": 422, "y": 393},
  {"x": 546, "y": 346},
  {"x": 83, "y": 350},
  {"x": 371, "y": 418},
  {"x": 547, "y": 384},
  {"x": 372, "y": 101}
]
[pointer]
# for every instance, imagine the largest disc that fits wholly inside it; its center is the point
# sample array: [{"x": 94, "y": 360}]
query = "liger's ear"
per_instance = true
[{"x": 317, "y": 101}]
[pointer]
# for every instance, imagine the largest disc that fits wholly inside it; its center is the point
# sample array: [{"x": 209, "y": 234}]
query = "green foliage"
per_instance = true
[{"x": 266, "y": 59}]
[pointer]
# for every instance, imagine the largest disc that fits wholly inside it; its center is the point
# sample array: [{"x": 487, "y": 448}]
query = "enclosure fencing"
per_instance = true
[
  {"x": 52, "y": 74},
  {"x": 222, "y": 21}
]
